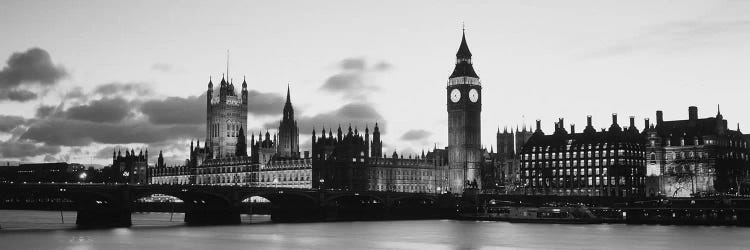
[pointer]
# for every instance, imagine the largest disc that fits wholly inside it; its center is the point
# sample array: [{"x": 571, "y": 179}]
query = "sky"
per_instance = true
[{"x": 81, "y": 78}]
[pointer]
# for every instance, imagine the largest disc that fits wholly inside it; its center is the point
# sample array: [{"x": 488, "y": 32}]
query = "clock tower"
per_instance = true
[{"x": 464, "y": 99}]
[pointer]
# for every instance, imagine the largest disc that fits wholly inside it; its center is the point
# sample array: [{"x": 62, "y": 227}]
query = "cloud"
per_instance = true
[
  {"x": 8, "y": 122},
  {"x": 82, "y": 133},
  {"x": 355, "y": 78},
  {"x": 24, "y": 148},
  {"x": 117, "y": 88},
  {"x": 18, "y": 95},
  {"x": 163, "y": 67},
  {"x": 260, "y": 103},
  {"x": 353, "y": 64},
  {"x": 176, "y": 110},
  {"x": 33, "y": 67},
  {"x": 44, "y": 111},
  {"x": 358, "y": 114},
  {"x": 415, "y": 135},
  {"x": 103, "y": 110}
]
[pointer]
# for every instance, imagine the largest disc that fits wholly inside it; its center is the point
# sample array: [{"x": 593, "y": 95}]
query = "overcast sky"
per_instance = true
[{"x": 81, "y": 77}]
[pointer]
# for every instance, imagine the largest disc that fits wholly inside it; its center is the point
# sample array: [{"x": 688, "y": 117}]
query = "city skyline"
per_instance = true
[{"x": 144, "y": 89}]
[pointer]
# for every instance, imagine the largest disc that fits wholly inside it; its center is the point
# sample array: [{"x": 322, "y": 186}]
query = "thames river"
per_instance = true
[{"x": 47, "y": 230}]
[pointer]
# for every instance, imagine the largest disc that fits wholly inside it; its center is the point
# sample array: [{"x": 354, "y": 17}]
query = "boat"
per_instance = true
[{"x": 576, "y": 214}]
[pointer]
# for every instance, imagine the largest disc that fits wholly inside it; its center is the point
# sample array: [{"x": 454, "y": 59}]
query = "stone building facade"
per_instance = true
[
  {"x": 697, "y": 156},
  {"x": 130, "y": 168},
  {"x": 343, "y": 162},
  {"x": 591, "y": 163},
  {"x": 226, "y": 117}
]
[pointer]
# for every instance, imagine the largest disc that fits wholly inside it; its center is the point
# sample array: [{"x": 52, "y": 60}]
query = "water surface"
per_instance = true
[{"x": 45, "y": 230}]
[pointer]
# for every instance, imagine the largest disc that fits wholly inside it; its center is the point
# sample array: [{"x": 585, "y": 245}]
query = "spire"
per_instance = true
[
  {"x": 244, "y": 83},
  {"x": 210, "y": 83},
  {"x": 288, "y": 99},
  {"x": 463, "y": 49},
  {"x": 463, "y": 61},
  {"x": 718, "y": 111}
]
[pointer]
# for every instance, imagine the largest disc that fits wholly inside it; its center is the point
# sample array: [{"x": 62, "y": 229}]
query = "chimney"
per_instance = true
[
  {"x": 588, "y": 121},
  {"x": 632, "y": 122},
  {"x": 693, "y": 113},
  {"x": 659, "y": 117},
  {"x": 646, "y": 124},
  {"x": 538, "y": 125},
  {"x": 572, "y": 128},
  {"x": 614, "y": 118}
]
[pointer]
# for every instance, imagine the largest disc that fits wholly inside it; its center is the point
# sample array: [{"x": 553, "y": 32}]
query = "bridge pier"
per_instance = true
[{"x": 103, "y": 218}]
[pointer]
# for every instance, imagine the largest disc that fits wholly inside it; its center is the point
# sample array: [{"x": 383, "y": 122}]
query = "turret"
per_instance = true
[
  {"x": 244, "y": 91},
  {"x": 367, "y": 141},
  {"x": 339, "y": 136}
]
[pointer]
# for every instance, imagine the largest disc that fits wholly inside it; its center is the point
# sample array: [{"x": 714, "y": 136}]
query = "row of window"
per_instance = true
[
  {"x": 586, "y": 146},
  {"x": 582, "y": 163},
  {"x": 589, "y": 181},
  {"x": 583, "y": 154}
]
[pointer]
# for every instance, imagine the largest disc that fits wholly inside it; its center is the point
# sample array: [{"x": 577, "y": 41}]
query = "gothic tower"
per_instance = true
[
  {"x": 288, "y": 146},
  {"x": 464, "y": 101},
  {"x": 226, "y": 115},
  {"x": 376, "y": 148},
  {"x": 505, "y": 140}
]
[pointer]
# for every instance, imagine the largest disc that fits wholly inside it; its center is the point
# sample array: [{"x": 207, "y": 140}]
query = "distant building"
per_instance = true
[
  {"x": 288, "y": 147},
  {"x": 343, "y": 162},
  {"x": 130, "y": 168},
  {"x": 696, "y": 156},
  {"x": 509, "y": 145},
  {"x": 43, "y": 172},
  {"x": 591, "y": 163},
  {"x": 223, "y": 159},
  {"x": 226, "y": 117}
]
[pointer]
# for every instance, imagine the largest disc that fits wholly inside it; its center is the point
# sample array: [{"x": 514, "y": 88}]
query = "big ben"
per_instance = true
[{"x": 464, "y": 101}]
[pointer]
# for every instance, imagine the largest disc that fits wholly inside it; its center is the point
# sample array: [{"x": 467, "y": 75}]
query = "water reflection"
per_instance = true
[{"x": 156, "y": 231}]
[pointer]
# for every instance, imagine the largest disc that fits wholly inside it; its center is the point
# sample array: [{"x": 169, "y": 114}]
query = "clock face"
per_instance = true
[
  {"x": 455, "y": 95},
  {"x": 473, "y": 95}
]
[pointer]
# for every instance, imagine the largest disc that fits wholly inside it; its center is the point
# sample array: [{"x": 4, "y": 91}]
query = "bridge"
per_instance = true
[{"x": 107, "y": 205}]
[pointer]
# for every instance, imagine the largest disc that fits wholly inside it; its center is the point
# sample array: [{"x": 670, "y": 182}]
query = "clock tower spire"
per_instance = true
[{"x": 464, "y": 103}]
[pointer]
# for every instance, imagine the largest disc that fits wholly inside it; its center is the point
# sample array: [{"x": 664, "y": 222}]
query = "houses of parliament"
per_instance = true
[{"x": 677, "y": 158}]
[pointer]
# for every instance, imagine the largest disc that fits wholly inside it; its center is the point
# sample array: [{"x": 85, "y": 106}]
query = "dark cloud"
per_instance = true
[
  {"x": 103, "y": 110},
  {"x": 44, "y": 111},
  {"x": 176, "y": 110},
  {"x": 117, "y": 88},
  {"x": 260, "y": 103},
  {"x": 18, "y": 95},
  {"x": 344, "y": 82},
  {"x": 33, "y": 67},
  {"x": 415, "y": 135},
  {"x": 355, "y": 78},
  {"x": 163, "y": 67},
  {"x": 25, "y": 148},
  {"x": 357, "y": 114},
  {"x": 8, "y": 122},
  {"x": 82, "y": 133}
]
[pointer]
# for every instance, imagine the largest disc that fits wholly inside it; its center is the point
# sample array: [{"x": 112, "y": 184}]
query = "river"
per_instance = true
[{"x": 45, "y": 230}]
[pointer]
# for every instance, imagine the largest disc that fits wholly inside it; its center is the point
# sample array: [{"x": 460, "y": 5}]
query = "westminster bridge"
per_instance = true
[{"x": 109, "y": 205}]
